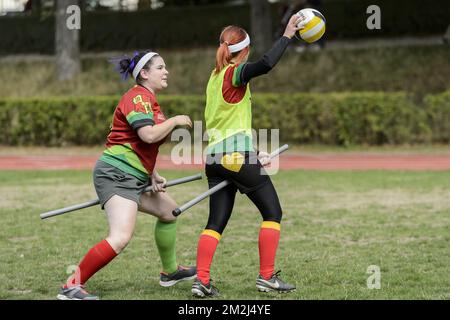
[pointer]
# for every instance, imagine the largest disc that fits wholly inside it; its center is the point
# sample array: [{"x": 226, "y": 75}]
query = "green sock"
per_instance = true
[{"x": 165, "y": 236}]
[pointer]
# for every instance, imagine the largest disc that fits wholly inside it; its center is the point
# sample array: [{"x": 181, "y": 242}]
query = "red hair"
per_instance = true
[{"x": 230, "y": 35}]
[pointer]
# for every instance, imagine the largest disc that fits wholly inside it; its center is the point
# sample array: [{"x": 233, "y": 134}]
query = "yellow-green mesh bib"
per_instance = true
[{"x": 229, "y": 125}]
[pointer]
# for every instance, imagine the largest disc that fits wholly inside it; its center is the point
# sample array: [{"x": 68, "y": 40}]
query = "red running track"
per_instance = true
[{"x": 329, "y": 162}]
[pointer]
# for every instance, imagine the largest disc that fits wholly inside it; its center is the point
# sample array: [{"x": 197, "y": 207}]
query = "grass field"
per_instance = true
[{"x": 335, "y": 225}]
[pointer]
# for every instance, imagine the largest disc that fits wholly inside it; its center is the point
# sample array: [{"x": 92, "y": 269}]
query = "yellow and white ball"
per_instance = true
[{"x": 314, "y": 27}]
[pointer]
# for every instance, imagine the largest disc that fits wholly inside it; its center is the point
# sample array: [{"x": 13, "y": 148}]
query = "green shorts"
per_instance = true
[{"x": 109, "y": 180}]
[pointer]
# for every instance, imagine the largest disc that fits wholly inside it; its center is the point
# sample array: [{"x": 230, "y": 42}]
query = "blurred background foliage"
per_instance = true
[{"x": 387, "y": 86}]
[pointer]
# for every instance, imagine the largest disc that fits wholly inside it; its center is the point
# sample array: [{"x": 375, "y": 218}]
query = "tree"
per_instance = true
[
  {"x": 261, "y": 26},
  {"x": 67, "y": 48},
  {"x": 33, "y": 6}
]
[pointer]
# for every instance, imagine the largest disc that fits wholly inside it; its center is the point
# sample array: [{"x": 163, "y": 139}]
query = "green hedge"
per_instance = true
[
  {"x": 344, "y": 118},
  {"x": 55, "y": 122},
  {"x": 369, "y": 118},
  {"x": 199, "y": 26},
  {"x": 438, "y": 114}
]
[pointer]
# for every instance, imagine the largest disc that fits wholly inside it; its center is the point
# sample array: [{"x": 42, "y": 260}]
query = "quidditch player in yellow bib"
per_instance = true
[{"x": 231, "y": 156}]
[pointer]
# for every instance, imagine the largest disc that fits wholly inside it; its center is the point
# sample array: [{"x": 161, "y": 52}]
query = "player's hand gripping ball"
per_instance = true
[{"x": 314, "y": 25}]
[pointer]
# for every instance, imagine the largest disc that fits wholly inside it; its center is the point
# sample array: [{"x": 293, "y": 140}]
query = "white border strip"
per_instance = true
[
  {"x": 142, "y": 63},
  {"x": 312, "y": 32},
  {"x": 240, "y": 45}
]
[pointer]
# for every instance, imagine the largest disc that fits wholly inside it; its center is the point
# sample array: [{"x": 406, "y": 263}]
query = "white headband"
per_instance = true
[
  {"x": 240, "y": 45},
  {"x": 142, "y": 63}
]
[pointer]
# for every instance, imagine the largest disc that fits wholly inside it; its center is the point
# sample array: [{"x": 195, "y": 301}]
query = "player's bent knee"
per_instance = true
[
  {"x": 215, "y": 227},
  {"x": 275, "y": 216},
  {"x": 167, "y": 217},
  {"x": 119, "y": 242}
]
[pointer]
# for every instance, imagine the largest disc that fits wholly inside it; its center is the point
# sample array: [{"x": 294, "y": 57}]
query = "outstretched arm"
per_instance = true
[{"x": 252, "y": 70}]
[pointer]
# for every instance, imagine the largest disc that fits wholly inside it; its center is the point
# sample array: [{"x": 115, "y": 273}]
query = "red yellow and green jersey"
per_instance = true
[
  {"x": 228, "y": 112},
  {"x": 124, "y": 149}
]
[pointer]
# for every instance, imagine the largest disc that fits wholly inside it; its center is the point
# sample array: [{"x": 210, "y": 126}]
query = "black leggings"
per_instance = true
[{"x": 221, "y": 203}]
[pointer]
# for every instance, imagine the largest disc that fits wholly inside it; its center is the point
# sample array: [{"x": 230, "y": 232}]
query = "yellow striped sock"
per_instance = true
[
  {"x": 271, "y": 225},
  {"x": 212, "y": 233}
]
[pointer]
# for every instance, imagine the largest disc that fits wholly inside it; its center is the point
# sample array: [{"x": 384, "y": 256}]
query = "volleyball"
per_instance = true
[{"x": 314, "y": 27}]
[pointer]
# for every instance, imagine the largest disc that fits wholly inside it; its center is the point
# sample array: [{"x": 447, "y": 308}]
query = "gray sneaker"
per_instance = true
[
  {"x": 75, "y": 293},
  {"x": 181, "y": 274},
  {"x": 273, "y": 284},
  {"x": 200, "y": 290}
]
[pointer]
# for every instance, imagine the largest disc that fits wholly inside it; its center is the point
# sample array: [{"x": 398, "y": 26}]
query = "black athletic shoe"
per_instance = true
[
  {"x": 273, "y": 284},
  {"x": 183, "y": 273},
  {"x": 200, "y": 290},
  {"x": 75, "y": 293}
]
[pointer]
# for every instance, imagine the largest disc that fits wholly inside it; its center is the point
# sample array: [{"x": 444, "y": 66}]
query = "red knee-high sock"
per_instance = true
[
  {"x": 206, "y": 248},
  {"x": 96, "y": 258},
  {"x": 269, "y": 235}
]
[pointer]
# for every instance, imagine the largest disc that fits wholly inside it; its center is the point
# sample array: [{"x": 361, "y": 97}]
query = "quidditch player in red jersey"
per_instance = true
[{"x": 125, "y": 169}]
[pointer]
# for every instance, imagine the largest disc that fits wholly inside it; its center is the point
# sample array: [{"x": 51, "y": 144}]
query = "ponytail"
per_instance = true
[
  {"x": 229, "y": 36},
  {"x": 125, "y": 65},
  {"x": 223, "y": 57}
]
